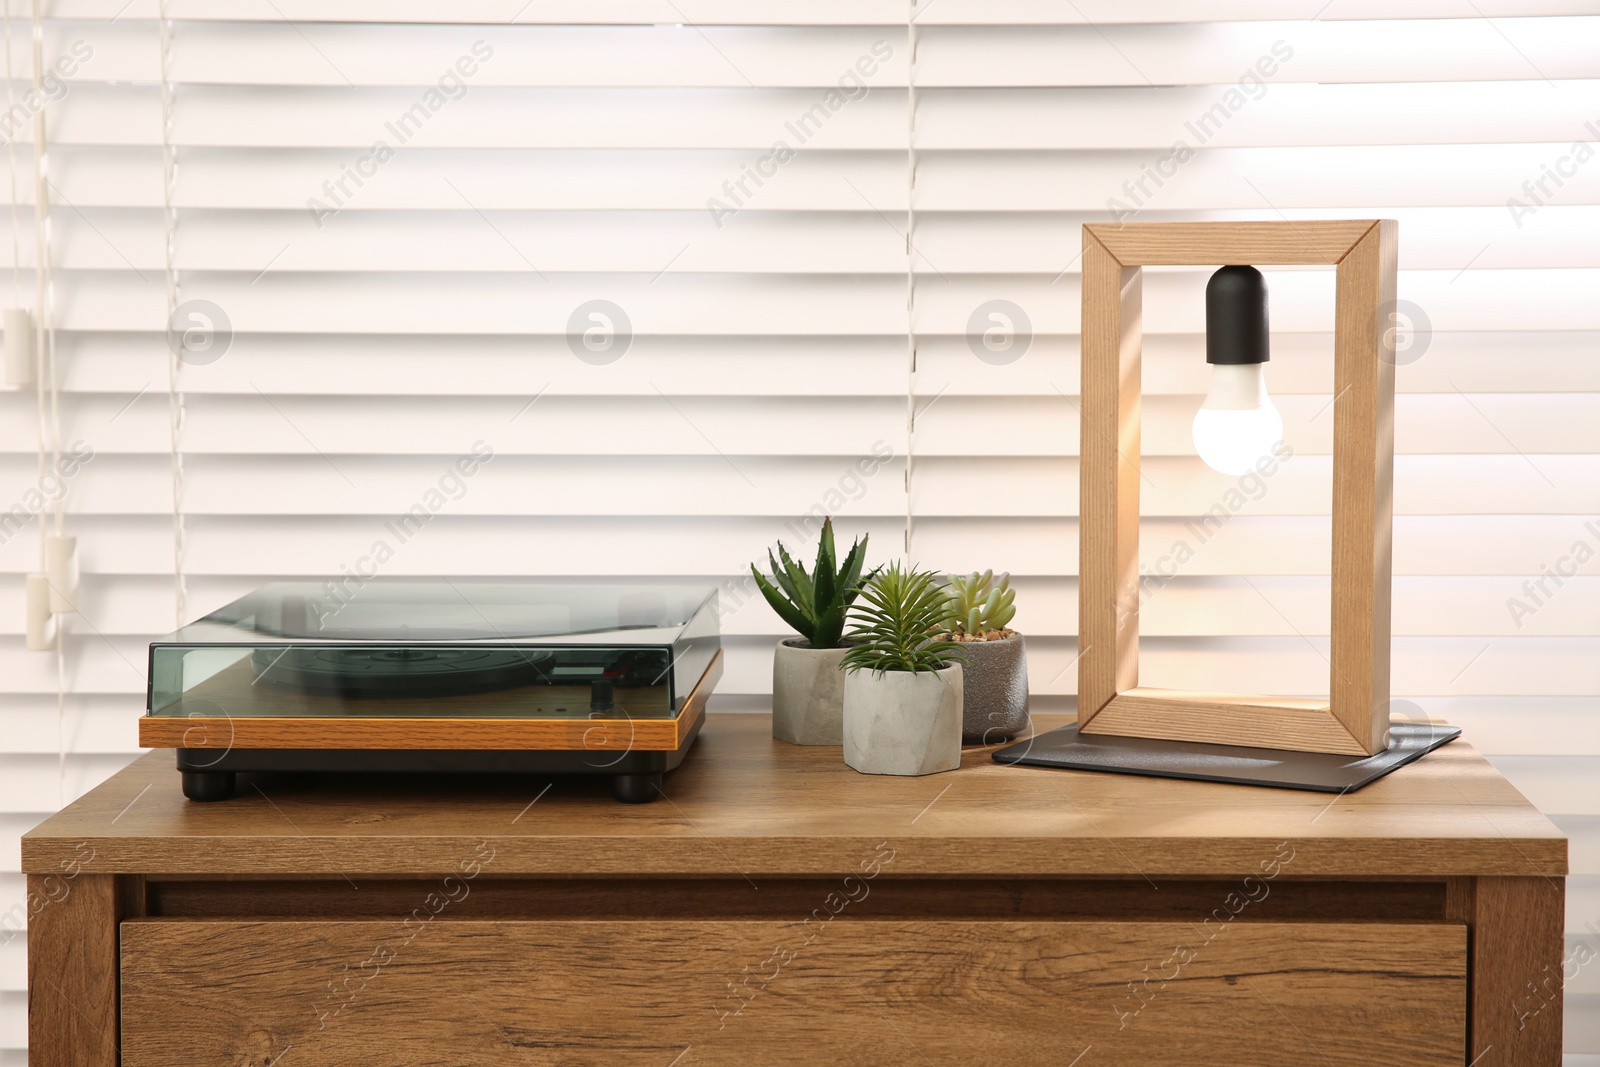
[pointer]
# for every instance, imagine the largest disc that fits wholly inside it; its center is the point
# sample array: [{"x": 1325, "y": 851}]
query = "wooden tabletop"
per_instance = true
[{"x": 743, "y": 803}]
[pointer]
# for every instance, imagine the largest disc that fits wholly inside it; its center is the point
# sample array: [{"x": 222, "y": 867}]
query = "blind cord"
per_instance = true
[
  {"x": 11, "y": 158},
  {"x": 169, "y": 217},
  {"x": 40, "y": 253},
  {"x": 44, "y": 352},
  {"x": 61, "y": 717},
  {"x": 16, "y": 285},
  {"x": 911, "y": 276},
  {"x": 45, "y": 330}
]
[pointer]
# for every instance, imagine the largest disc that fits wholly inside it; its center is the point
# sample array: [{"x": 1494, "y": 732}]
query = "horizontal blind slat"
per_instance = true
[
  {"x": 125, "y": 364},
  {"x": 1182, "y": 606},
  {"x": 274, "y": 52},
  {"x": 815, "y": 12},
  {"x": 308, "y": 546},
  {"x": 745, "y": 304},
  {"x": 464, "y": 240}
]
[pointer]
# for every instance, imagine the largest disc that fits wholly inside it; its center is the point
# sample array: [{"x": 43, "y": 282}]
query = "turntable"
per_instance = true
[{"x": 514, "y": 676}]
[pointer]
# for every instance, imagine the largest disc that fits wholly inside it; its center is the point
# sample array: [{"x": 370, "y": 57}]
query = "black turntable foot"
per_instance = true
[
  {"x": 636, "y": 788},
  {"x": 208, "y": 785}
]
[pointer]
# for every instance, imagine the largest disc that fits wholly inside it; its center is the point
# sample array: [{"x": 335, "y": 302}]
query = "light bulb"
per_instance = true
[{"x": 1238, "y": 424}]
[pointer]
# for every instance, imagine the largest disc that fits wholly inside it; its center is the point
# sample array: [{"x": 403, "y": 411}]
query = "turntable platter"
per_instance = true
[{"x": 415, "y": 671}]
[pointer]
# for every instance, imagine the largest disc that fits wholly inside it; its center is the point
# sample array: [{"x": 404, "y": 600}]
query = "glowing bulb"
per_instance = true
[{"x": 1238, "y": 424}]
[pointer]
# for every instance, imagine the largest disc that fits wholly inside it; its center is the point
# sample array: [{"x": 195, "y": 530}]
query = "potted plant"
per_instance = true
[
  {"x": 807, "y": 685},
  {"x": 995, "y": 678},
  {"x": 902, "y": 685}
]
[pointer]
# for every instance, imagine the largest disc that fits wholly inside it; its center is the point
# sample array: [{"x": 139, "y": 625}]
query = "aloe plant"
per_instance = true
[
  {"x": 815, "y": 604},
  {"x": 981, "y": 603},
  {"x": 900, "y": 624}
]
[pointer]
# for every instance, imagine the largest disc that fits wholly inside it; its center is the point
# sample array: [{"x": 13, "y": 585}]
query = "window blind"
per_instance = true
[{"x": 402, "y": 219}]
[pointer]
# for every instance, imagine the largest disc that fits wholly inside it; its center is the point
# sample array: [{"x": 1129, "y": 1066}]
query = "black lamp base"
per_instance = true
[{"x": 1317, "y": 772}]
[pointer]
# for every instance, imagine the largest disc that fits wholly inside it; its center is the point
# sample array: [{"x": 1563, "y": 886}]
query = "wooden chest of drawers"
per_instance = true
[{"x": 778, "y": 908}]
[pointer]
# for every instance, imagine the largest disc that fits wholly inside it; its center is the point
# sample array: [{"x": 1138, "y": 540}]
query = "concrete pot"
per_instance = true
[
  {"x": 994, "y": 690},
  {"x": 807, "y": 693},
  {"x": 898, "y": 722}
]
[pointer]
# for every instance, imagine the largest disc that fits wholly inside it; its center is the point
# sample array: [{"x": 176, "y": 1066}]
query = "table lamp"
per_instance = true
[{"x": 1236, "y": 424}]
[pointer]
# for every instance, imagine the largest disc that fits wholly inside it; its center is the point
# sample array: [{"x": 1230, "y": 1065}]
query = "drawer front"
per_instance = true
[{"x": 457, "y": 992}]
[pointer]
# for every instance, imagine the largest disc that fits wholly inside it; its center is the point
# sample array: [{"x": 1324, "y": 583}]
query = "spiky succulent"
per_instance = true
[
  {"x": 981, "y": 603},
  {"x": 815, "y": 604},
  {"x": 900, "y": 624}
]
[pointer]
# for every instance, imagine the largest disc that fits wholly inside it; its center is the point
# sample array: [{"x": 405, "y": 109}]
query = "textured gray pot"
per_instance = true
[
  {"x": 807, "y": 693},
  {"x": 898, "y": 722},
  {"x": 995, "y": 690}
]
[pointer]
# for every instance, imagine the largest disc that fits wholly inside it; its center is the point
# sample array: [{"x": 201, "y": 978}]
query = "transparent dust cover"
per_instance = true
[{"x": 441, "y": 648}]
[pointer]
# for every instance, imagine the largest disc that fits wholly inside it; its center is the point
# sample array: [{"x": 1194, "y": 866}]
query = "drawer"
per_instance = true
[{"x": 869, "y": 992}]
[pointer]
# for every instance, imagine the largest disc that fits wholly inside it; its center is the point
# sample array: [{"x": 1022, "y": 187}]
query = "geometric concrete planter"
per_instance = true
[
  {"x": 900, "y": 722},
  {"x": 995, "y": 690},
  {"x": 807, "y": 693}
]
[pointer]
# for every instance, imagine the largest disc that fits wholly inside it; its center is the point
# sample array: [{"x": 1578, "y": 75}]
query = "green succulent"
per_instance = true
[
  {"x": 815, "y": 604},
  {"x": 981, "y": 602},
  {"x": 900, "y": 624}
]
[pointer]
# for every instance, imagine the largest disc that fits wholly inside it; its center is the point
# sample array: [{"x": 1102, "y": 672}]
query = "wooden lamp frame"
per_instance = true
[{"x": 1355, "y": 719}]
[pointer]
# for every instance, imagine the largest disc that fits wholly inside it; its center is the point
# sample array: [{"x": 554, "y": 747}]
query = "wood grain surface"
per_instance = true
[
  {"x": 1517, "y": 967},
  {"x": 1122, "y": 899},
  {"x": 1108, "y": 478},
  {"x": 1185, "y": 715},
  {"x": 745, "y": 805},
  {"x": 1363, "y": 485},
  {"x": 1205, "y": 244},
  {"x": 570, "y": 735},
  {"x": 784, "y": 993},
  {"x": 72, "y": 970}
]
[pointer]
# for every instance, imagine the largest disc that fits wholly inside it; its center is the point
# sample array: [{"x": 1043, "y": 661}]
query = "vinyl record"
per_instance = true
[{"x": 399, "y": 671}]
